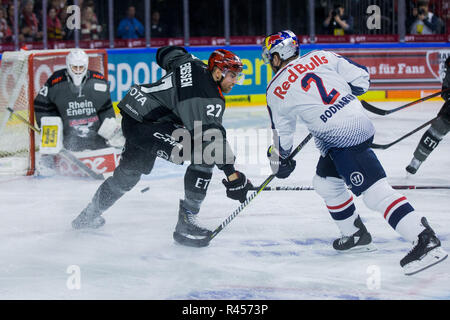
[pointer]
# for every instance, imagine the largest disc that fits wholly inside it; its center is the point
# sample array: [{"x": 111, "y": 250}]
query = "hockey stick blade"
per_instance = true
[
  {"x": 374, "y": 109},
  {"x": 382, "y": 112},
  {"x": 385, "y": 146}
]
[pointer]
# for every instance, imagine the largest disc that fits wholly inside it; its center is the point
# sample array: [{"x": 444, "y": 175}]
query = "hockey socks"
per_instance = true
[
  {"x": 396, "y": 209},
  {"x": 339, "y": 203},
  {"x": 343, "y": 213}
]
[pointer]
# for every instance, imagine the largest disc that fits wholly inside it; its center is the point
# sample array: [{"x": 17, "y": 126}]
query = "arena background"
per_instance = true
[{"x": 404, "y": 64}]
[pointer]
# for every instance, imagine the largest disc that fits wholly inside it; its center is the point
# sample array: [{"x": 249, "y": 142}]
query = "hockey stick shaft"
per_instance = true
[
  {"x": 259, "y": 189},
  {"x": 385, "y": 146},
  {"x": 382, "y": 112},
  {"x": 63, "y": 152},
  {"x": 309, "y": 188}
]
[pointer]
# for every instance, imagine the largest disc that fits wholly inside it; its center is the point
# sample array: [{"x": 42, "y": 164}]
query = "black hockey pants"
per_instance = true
[{"x": 144, "y": 142}]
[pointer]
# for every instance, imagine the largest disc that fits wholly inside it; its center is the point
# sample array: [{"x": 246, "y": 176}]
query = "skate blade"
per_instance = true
[
  {"x": 359, "y": 249},
  {"x": 191, "y": 241},
  {"x": 433, "y": 257}
]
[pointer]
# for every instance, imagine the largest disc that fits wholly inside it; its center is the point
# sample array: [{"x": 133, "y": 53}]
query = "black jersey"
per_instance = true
[
  {"x": 82, "y": 108},
  {"x": 187, "y": 95},
  {"x": 446, "y": 82}
]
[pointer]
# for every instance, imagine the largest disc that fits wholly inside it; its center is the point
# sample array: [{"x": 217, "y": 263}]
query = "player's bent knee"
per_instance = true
[
  {"x": 332, "y": 190},
  {"x": 380, "y": 195},
  {"x": 440, "y": 127}
]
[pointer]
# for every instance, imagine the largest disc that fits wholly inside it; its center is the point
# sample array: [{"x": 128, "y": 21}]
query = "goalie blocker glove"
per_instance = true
[
  {"x": 238, "y": 188},
  {"x": 280, "y": 163},
  {"x": 111, "y": 131}
]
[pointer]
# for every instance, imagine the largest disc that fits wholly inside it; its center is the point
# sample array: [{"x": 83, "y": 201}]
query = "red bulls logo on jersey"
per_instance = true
[{"x": 281, "y": 90}]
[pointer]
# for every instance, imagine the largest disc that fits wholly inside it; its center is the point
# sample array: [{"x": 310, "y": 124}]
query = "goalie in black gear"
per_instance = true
[
  {"x": 186, "y": 104},
  {"x": 81, "y": 98},
  {"x": 438, "y": 129}
]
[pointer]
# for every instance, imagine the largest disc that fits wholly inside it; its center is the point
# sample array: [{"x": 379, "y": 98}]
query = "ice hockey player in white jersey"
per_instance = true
[{"x": 320, "y": 89}]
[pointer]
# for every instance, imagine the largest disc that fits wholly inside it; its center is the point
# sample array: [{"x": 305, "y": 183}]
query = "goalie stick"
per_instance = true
[
  {"x": 385, "y": 146},
  {"x": 63, "y": 152},
  {"x": 203, "y": 242},
  {"x": 382, "y": 112},
  {"x": 308, "y": 188}
]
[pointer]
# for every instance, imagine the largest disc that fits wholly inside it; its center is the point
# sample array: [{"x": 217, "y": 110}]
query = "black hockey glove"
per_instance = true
[
  {"x": 237, "y": 189},
  {"x": 281, "y": 166}
]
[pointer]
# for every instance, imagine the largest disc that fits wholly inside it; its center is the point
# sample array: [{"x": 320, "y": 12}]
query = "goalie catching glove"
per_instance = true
[
  {"x": 237, "y": 189},
  {"x": 111, "y": 131},
  {"x": 280, "y": 163}
]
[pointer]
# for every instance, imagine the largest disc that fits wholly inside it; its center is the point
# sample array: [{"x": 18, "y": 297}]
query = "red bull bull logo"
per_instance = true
[{"x": 274, "y": 38}]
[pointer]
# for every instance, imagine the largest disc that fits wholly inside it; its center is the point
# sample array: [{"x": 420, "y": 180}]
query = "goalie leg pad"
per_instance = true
[{"x": 51, "y": 135}]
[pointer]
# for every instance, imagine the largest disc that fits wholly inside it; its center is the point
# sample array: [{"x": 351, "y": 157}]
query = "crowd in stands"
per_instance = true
[
  {"x": 31, "y": 17},
  {"x": 334, "y": 20}
]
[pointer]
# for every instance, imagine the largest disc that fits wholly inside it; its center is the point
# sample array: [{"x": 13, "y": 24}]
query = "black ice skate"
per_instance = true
[
  {"x": 187, "y": 227},
  {"x": 86, "y": 220},
  {"x": 413, "y": 166},
  {"x": 360, "y": 241},
  {"x": 427, "y": 251}
]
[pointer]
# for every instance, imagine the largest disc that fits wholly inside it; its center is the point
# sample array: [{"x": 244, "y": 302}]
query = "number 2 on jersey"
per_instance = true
[{"x": 327, "y": 98}]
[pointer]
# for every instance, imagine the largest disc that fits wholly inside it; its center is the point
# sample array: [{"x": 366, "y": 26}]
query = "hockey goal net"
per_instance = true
[{"x": 22, "y": 74}]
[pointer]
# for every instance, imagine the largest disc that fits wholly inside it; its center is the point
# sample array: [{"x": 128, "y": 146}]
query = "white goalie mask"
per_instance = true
[{"x": 77, "y": 65}]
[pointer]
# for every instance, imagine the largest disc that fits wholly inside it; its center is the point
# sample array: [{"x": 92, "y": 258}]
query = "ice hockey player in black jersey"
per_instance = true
[
  {"x": 81, "y": 98},
  {"x": 187, "y": 102},
  {"x": 438, "y": 129}
]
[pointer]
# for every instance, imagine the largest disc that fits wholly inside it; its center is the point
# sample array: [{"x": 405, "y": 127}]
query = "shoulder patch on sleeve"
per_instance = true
[
  {"x": 100, "y": 87},
  {"x": 57, "y": 77},
  {"x": 96, "y": 75}
]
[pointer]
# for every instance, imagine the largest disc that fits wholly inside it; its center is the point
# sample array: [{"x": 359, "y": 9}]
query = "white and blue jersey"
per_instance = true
[{"x": 320, "y": 89}]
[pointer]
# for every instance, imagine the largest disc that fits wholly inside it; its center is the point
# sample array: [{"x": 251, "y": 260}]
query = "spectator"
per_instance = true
[
  {"x": 89, "y": 3},
  {"x": 423, "y": 21},
  {"x": 29, "y": 24},
  {"x": 10, "y": 17},
  {"x": 338, "y": 23},
  {"x": 54, "y": 27},
  {"x": 158, "y": 29},
  {"x": 90, "y": 29},
  {"x": 58, "y": 5},
  {"x": 5, "y": 30},
  {"x": 130, "y": 27}
]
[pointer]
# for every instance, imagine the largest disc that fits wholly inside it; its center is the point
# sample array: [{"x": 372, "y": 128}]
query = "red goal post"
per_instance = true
[{"x": 22, "y": 74}]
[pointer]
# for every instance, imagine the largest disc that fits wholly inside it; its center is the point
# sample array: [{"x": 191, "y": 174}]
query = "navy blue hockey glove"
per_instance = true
[
  {"x": 281, "y": 166},
  {"x": 237, "y": 189}
]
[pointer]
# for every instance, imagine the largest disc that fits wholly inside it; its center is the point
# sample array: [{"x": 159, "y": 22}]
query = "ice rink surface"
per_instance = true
[{"x": 279, "y": 247}]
